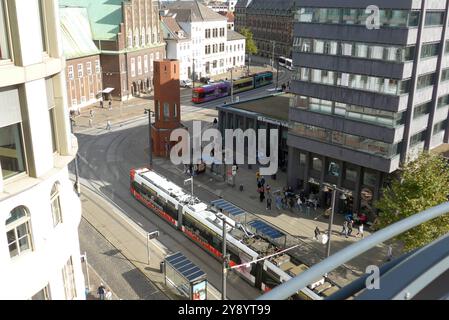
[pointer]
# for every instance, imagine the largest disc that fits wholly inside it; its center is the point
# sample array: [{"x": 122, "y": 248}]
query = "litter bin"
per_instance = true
[{"x": 161, "y": 266}]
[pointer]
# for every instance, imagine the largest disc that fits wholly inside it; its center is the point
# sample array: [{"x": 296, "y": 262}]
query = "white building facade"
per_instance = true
[
  {"x": 39, "y": 209},
  {"x": 179, "y": 46},
  {"x": 211, "y": 52}
]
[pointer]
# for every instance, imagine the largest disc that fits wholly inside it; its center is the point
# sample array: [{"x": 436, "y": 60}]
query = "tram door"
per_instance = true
[
  {"x": 180, "y": 222},
  {"x": 258, "y": 274}
]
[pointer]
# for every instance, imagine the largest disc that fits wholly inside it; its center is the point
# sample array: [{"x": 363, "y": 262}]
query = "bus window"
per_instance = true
[{"x": 282, "y": 61}]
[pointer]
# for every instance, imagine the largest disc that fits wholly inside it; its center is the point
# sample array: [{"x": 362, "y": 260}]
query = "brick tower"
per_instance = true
[{"x": 167, "y": 100}]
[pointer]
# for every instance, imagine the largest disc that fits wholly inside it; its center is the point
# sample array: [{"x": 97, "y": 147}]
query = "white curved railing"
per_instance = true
[{"x": 290, "y": 287}]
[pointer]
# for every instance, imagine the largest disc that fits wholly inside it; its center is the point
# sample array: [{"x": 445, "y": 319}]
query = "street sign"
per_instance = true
[{"x": 153, "y": 235}]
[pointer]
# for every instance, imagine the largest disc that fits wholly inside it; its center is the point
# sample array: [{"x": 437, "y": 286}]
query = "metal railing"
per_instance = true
[{"x": 290, "y": 287}]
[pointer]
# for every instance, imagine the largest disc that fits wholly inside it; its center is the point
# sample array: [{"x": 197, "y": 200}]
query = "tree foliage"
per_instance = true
[
  {"x": 422, "y": 184},
  {"x": 251, "y": 47}
]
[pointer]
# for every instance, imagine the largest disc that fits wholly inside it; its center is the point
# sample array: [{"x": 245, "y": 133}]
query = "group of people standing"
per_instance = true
[{"x": 348, "y": 226}]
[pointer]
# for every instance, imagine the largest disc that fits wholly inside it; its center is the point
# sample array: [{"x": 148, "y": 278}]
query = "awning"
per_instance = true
[{"x": 108, "y": 90}]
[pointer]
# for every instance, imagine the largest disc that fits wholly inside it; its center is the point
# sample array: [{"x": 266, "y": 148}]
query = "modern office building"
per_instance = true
[
  {"x": 39, "y": 209},
  {"x": 367, "y": 99}
]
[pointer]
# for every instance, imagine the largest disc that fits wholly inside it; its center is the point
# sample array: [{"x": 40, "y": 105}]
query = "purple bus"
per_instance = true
[{"x": 211, "y": 91}]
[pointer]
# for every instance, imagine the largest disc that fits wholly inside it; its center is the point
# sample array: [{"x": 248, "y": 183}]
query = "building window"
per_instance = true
[
  {"x": 69, "y": 280},
  {"x": 51, "y": 113},
  {"x": 443, "y": 101},
  {"x": 97, "y": 66},
  {"x": 89, "y": 68},
  {"x": 350, "y": 173},
  {"x": 215, "y": 33},
  {"x": 369, "y": 178},
  {"x": 139, "y": 65},
  {"x": 425, "y": 81},
  {"x": 317, "y": 164},
  {"x": 80, "y": 70},
  {"x": 417, "y": 138},
  {"x": 207, "y": 33},
  {"x": 4, "y": 39},
  {"x": 43, "y": 294},
  {"x": 145, "y": 63},
  {"x": 70, "y": 72},
  {"x": 333, "y": 168},
  {"x": 156, "y": 110},
  {"x": 151, "y": 62},
  {"x": 142, "y": 36},
  {"x": 445, "y": 75},
  {"x": 43, "y": 24},
  {"x": 136, "y": 37},
  {"x": 166, "y": 110},
  {"x": 11, "y": 150},
  {"x": 440, "y": 126},
  {"x": 434, "y": 18},
  {"x": 18, "y": 231},
  {"x": 422, "y": 110},
  {"x": 133, "y": 67},
  {"x": 430, "y": 50},
  {"x": 55, "y": 204}
]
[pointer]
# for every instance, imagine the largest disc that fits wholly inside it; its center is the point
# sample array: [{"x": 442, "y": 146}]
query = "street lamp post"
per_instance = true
[
  {"x": 149, "y": 112},
  {"x": 191, "y": 186},
  {"x": 225, "y": 270},
  {"x": 224, "y": 255},
  {"x": 331, "y": 218}
]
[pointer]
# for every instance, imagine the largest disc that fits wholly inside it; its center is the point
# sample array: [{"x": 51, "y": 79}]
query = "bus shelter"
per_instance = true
[{"x": 185, "y": 277}]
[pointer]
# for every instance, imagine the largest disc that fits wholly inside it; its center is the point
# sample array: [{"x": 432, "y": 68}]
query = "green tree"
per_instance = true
[
  {"x": 421, "y": 184},
  {"x": 250, "y": 46}
]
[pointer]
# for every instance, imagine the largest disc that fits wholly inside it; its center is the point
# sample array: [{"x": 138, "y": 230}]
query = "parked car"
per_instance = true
[{"x": 185, "y": 83}]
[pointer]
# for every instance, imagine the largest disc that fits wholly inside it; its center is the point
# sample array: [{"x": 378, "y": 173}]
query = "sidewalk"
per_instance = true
[
  {"x": 130, "y": 239},
  {"x": 121, "y": 110},
  {"x": 93, "y": 281},
  {"x": 299, "y": 225}
]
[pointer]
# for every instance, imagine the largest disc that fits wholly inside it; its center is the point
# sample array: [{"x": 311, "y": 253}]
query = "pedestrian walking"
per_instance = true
[
  {"x": 108, "y": 294},
  {"x": 268, "y": 203},
  {"x": 257, "y": 176},
  {"x": 308, "y": 208},
  {"x": 108, "y": 125},
  {"x": 350, "y": 225},
  {"x": 291, "y": 203},
  {"x": 299, "y": 204},
  {"x": 101, "y": 291},
  {"x": 262, "y": 181},
  {"x": 101, "y": 103},
  {"x": 262, "y": 195},
  {"x": 110, "y": 104},
  {"x": 389, "y": 253},
  {"x": 345, "y": 228},
  {"x": 317, "y": 233},
  {"x": 268, "y": 189},
  {"x": 90, "y": 122},
  {"x": 360, "y": 230},
  {"x": 278, "y": 201},
  {"x": 92, "y": 112}
]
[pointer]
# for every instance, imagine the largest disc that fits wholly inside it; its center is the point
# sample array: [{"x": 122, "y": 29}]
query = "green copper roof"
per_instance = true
[
  {"x": 105, "y": 16},
  {"x": 76, "y": 33}
]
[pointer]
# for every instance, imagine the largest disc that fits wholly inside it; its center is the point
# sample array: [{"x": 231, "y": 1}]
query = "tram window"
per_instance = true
[
  {"x": 171, "y": 210},
  {"x": 270, "y": 279}
]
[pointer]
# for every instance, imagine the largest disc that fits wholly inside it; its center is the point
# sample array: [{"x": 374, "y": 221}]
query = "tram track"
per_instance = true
[{"x": 138, "y": 213}]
